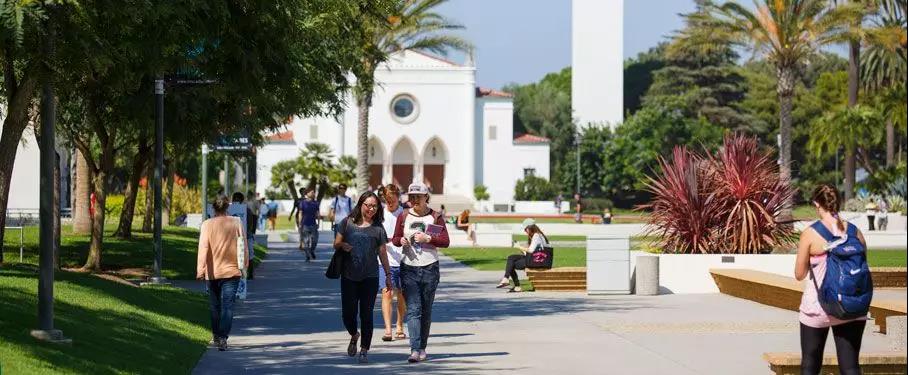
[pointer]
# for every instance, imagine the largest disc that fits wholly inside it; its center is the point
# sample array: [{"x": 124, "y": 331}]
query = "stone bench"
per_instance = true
[
  {"x": 560, "y": 279},
  {"x": 871, "y": 363},
  {"x": 785, "y": 292},
  {"x": 889, "y": 277},
  {"x": 484, "y": 238}
]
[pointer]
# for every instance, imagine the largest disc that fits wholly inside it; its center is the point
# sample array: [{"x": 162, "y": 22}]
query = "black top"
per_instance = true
[{"x": 366, "y": 242}]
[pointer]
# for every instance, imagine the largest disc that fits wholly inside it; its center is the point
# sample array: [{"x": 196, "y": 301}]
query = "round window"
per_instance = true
[{"x": 404, "y": 108}]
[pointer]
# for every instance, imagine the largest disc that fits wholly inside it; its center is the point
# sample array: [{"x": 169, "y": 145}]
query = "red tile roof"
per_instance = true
[
  {"x": 529, "y": 139},
  {"x": 482, "y": 91},
  {"x": 283, "y": 137}
]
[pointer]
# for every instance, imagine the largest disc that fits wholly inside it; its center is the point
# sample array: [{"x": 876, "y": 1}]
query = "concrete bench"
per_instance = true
[
  {"x": 889, "y": 277},
  {"x": 871, "y": 363},
  {"x": 785, "y": 292},
  {"x": 561, "y": 279},
  {"x": 484, "y": 237}
]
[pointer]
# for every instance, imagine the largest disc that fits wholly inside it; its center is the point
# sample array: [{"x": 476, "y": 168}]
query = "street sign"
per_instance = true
[{"x": 235, "y": 142}]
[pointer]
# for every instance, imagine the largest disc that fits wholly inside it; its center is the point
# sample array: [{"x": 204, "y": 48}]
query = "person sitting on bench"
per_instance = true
[
  {"x": 536, "y": 240},
  {"x": 463, "y": 223}
]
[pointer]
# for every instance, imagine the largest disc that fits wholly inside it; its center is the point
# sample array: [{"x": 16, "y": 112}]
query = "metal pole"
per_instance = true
[
  {"x": 204, "y": 181},
  {"x": 246, "y": 176},
  {"x": 227, "y": 174},
  {"x": 577, "y": 140},
  {"x": 46, "y": 261},
  {"x": 158, "y": 169}
]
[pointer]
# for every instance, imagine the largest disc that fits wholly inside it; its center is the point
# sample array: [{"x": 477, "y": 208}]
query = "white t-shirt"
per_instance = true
[
  {"x": 395, "y": 253},
  {"x": 537, "y": 243},
  {"x": 342, "y": 206}
]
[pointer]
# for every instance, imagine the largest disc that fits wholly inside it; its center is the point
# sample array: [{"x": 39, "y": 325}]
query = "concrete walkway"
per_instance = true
[{"x": 291, "y": 324}]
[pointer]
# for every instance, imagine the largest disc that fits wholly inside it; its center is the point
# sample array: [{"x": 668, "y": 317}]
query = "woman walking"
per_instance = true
[
  {"x": 811, "y": 260},
  {"x": 420, "y": 231},
  {"x": 363, "y": 237},
  {"x": 218, "y": 266},
  {"x": 536, "y": 240},
  {"x": 395, "y": 254}
]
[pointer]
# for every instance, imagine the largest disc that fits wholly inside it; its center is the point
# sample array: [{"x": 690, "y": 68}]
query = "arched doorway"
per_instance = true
[
  {"x": 376, "y": 162},
  {"x": 402, "y": 159},
  {"x": 434, "y": 158}
]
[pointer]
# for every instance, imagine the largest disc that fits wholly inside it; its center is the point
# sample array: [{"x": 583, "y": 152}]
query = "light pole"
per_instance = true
[
  {"x": 577, "y": 145},
  {"x": 204, "y": 181},
  {"x": 46, "y": 331},
  {"x": 158, "y": 173}
]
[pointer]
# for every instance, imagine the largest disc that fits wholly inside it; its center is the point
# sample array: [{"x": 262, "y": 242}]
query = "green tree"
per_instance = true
[
  {"x": 848, "y": 127},
  {"x": 787, "y": 32},
  {"x": 410, "y": 25},
  {"x": 533, "y": 188},
  {"x": 638, "y": 76},
  {"x": 594, "y": 140}
]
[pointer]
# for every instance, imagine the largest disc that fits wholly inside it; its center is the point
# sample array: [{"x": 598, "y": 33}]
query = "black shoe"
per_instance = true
[
  {"x": 222, "y": 345},
  {"x": 351, "y": 349}
]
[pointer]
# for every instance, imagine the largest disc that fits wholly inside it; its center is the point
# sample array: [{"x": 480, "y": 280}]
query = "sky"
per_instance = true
[{"x": 523, "y": 40}]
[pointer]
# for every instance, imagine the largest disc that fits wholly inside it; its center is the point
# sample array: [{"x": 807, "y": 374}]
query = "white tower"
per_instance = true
[{"x": 597, "y": 49}]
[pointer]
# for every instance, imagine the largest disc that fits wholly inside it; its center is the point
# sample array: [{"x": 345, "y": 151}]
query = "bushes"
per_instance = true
[
  {"x": 113, "y": 206},
  {"x": 724, "y": 203},
  {"x": 480, "y": 192},
  {"x": 532, "y": 188},
  {"x": 185, "y": 201}
]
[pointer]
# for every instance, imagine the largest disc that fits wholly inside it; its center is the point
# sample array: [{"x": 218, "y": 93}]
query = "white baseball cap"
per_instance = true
[
  {"x": 418, "y": 188},
  {"x": 527, "y": 222}
]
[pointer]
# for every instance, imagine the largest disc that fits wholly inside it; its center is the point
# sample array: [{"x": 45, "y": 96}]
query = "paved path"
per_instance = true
[{"x": 291, "y": 324}]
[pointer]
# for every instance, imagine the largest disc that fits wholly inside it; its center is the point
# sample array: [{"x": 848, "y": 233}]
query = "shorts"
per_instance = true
[{"x": 395, "y": 278}]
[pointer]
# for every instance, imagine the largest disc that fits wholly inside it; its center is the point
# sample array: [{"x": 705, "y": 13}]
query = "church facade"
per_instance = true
[{"x": 428, "y": 122}]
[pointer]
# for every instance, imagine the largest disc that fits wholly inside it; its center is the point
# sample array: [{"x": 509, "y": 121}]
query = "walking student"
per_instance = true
[
  {"x": 238, "y": 198},
  {"x": 340, "y": 207},
  {"x": 817, "y": 242},
  {"x": 395, "y": 254},
  {"x": 307, "y": 223},
  {"x": 217, "y": 265},
  {"x": 363, "y": 236},
  {"x": 536, "y": 240},
  {"x": 420, "y": 231}
]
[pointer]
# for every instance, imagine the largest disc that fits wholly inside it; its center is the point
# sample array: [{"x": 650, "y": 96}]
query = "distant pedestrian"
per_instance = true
[
  {"x": 218, "y": 266},
  {"x": 578, "y": 208},
  {"x": 882, "y": 215},
  {"x": 263, "y": 214},
  {"x": 252, "y": 200},
  {"x": 871, "y": 208},
  {"x": 558, "y": 199},
  {"x": 363, "y": 236},
  {"x": 340, "y": 207},
  {"x": 420, "y": 231},
  {"x": 307, "y": 223},
  {"x": 296, "y": 205},
  {"x": 273, "y": 208},
  {"x": 607, "y": 216},
  {"x": 827, "y": 235}
]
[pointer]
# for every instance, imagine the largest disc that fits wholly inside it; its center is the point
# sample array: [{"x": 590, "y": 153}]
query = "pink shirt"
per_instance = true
[{"x": 810, "y": 312}]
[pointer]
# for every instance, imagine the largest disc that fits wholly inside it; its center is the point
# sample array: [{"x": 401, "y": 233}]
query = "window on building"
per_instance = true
[
  {"x": 529, "y": 172},
  {"x": 404, "y": 108},
  {"x": 313, "y": 131},
  {"x": 493, "y": 132}
]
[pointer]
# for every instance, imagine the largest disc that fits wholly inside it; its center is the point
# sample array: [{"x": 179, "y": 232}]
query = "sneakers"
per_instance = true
[
  {"x": 504, "y": 283},
  {"x": 414, "y": 357},
  {"x": 515, "y": 289},
  {"x": 351, "y": 349},
  {"x": 423, "y": 355},
  {"x": 362, "y": 356}
]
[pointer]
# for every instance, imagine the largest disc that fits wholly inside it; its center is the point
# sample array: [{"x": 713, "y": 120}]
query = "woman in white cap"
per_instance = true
[
  {"x": 420, "y": 231},
  {"x": 536, "y": 240}
]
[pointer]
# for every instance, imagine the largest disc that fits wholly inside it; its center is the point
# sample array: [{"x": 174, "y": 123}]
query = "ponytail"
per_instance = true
[{"x": 827, "y": 197}]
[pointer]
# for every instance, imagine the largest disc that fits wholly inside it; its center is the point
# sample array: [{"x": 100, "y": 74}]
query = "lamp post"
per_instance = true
[
  {"x": 577, "y": 145},
  {"x": 204, "y": 181},
  {"x": 158, "y": 173}
]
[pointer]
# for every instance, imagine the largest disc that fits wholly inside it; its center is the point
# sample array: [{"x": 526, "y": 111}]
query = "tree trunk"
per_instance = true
[
  {"x": 785, "y": 90},
  {"x": 854, "y": 79},
  {"x": 890, "y": 143},
  {"x": 850, "y": 163},
  {"x": 148, "y": 219},
  {"x": 167, "y": 199},
  {"x": 124, "y": 228},
  {"x": 99, "y": 182},
  {"x": 57, "y": 212},
  {"x": 82, "y": 195},
  {"x": 362, "y": 142},
  {"x": 17, "y": 104}
]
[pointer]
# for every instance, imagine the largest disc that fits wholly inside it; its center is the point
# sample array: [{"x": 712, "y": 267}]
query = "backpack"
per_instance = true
[{"x": 847, "y": 287}]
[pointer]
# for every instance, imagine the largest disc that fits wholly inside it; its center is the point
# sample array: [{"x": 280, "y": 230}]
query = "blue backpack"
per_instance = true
[{"x": 847, "y": 287}]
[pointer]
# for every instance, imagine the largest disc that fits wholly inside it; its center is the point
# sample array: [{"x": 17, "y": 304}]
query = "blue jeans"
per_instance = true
[
  {"x": 309, "y": 236},
  {"x": 419, "y": 285},
  {"x": 221, "y": 296}
]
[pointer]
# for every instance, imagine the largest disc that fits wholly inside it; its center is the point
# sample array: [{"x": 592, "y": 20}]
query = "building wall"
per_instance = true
[
  {"x": 269, "y": 156},
  {"x": 597, "y": 81},
  {"x": 25, "y": 181}
]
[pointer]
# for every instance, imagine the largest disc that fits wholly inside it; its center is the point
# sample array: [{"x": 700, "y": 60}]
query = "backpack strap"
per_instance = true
[{"x": 822, "y": 231}]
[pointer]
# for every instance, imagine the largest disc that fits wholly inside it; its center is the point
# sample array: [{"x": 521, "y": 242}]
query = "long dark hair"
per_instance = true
[
  {"x": 533, "y": 230},
  {"x": 357, "y": 213}
]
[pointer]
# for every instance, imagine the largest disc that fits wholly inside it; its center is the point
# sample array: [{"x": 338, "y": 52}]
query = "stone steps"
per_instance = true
[{"x": 566, "y": 279}]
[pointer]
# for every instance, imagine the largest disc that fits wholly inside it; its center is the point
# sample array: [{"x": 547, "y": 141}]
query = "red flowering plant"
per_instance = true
[{"x": 723, "y": 203}]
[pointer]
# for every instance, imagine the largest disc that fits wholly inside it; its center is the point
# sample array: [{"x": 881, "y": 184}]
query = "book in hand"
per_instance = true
[{"x": 434, "y": 230}]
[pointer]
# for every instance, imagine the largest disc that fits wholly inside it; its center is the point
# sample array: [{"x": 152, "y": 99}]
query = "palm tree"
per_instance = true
[
  {"x": 787, "y": 33},
  {"x": 315, "y": 164},
  {"x": 849, "y": 127},
  {"x": 412, "y": 25},
  {"x": 883, "y": 66}
]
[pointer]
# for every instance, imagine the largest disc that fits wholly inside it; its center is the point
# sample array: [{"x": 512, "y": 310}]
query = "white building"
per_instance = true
[{"x": 428, "y": 122}]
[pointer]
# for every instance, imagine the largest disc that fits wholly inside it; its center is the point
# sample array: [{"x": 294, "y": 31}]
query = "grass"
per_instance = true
[
  {"x": 180, "y": 248},
  {"x": 116, "y": 328},
  {"x": 887, "y": 258}
]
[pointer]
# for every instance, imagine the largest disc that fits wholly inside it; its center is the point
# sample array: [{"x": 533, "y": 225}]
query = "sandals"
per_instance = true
[
  {"x": 387, "y": 337},
  {"x": 401, "y": 336},
  {"x": 515, "y": 289}
]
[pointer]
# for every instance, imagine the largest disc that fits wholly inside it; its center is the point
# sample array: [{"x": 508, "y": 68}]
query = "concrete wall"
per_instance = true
[
  {"x": 689, "y": 273},
  {"x": 24, "y": 186},
  {"x": 540, "y": 207}
]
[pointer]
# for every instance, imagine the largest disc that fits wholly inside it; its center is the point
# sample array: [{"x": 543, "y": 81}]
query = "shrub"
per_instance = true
[
  {"x": 856, "y": 204},
  {"x": 113, "y": 206},
  {"x": 185, "y": 201},
  {"x": 480, "y": 192},
  {"x": 727, "y": 203},
  {"x": 532, "y": 188},
  {"x": 896, "y": 204}
]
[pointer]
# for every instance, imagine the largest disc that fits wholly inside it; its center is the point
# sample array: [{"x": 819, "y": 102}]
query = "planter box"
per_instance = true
[
  {"x": 540, "y": 207},
  {"x": 689, "y": 273}
]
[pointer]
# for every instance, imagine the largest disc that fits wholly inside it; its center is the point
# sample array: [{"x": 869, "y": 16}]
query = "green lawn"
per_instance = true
[
  {"x": 116, "y": 328},
  {"x": 180, "y": 247},
  {"x": 887, "y": 258}
]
